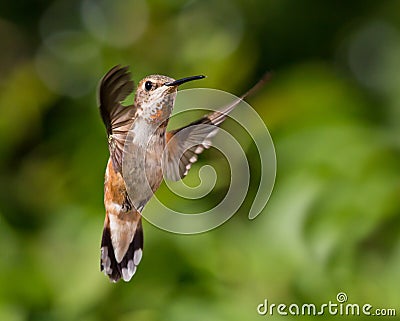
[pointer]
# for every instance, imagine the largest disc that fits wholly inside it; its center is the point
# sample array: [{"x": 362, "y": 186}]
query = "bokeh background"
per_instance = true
[{"x": 333, "y": 110}]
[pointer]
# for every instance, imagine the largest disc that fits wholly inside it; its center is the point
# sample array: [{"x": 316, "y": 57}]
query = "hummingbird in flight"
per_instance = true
[{"x": 142, "y": 152}]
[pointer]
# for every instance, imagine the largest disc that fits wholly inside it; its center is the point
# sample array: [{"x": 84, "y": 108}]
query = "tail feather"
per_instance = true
[
  {"x": 108, "y": 263},
  {"x": 133, "y": 256},
  {"x": 127, "y": 267}
]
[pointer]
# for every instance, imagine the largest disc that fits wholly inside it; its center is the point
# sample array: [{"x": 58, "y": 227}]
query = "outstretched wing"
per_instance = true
[
  {"x": 186, "y": 143},
  {"x": 115, "y": 86}
]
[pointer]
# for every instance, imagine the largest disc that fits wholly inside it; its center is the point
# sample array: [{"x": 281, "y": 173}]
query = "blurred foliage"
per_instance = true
[{"x": 333, "y": 110}]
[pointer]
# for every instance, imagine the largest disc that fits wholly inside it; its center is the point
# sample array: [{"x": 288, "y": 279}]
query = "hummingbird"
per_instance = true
[{"x": 138, "y": 133}]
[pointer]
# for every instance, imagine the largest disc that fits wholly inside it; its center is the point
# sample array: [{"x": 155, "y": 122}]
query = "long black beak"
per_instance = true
[{"x": 183, "y": 80}]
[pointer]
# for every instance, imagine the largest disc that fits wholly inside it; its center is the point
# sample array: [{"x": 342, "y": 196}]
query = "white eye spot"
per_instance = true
[{"x": 148, "y": 85}]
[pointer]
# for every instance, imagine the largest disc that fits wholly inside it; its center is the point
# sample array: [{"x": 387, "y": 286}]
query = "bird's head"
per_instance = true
[{"x": 155, "y": 96}]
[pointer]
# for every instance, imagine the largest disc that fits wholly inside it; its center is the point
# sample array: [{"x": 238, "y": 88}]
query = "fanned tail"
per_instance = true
[{"x": 126, "y": 268}]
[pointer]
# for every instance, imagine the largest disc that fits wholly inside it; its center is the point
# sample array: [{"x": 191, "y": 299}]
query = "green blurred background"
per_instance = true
[{"x": 333, "y": 110}]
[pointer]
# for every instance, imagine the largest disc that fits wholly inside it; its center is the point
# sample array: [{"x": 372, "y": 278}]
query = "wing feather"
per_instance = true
[
  {"x": 186, "y": 143},
  {"x": 115, "y": 86}
]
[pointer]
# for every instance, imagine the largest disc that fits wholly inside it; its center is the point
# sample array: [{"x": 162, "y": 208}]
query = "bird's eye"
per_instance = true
[{"x": 148, "y": 85}]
